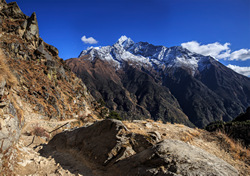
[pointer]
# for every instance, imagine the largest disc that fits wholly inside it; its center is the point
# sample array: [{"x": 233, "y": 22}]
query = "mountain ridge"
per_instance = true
[
  {"x": 212, "y": 92},
  {"x": 146, "y": 53}
]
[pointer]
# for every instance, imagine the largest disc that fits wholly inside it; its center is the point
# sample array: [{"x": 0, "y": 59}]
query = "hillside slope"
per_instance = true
[{"x": 44, "y": 89}]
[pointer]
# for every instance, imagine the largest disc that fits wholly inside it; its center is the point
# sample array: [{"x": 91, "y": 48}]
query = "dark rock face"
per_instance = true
[
  {"x": 201, "y": 104},
  {"x": 243, "y": 116},
  {"x": 110, "y": 147}
]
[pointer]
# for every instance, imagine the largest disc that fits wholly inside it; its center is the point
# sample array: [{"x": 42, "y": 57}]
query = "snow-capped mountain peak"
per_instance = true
[
  {"x": 143, "y": 53},
  {"x": 124, "y": 42},
  {"x": 122, "y": 39}
]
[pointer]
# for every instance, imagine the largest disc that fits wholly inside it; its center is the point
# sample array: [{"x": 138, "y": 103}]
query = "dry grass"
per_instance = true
[
  {"x": 237, "y": 151},
  {"x": 189, "y": 135},
  {"x": 186, "y": 137},
  {"x": 179, "y": 125},
  {"x": 150, "y": 120},
  {"x": 159, "y": 121},
  {"x": 5, "y": 72}
]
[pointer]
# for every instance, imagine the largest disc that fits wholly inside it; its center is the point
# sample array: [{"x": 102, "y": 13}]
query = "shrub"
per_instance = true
[
  {"x": 114, "y": 115},
  {"x": 39, "y": 131},
  {"x": 101, "y": 102},
  {"x": 235, "y": 148}
]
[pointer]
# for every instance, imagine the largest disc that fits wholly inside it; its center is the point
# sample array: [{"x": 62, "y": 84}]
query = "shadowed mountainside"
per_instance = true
[
  {"x": 141, "y": 80},
  {"x": 132, "y": 92}
]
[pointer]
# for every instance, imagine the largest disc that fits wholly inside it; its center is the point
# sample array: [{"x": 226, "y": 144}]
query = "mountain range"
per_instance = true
[
  {"x": 50, "y": 124},
  {"x": 141, "y": 80}
]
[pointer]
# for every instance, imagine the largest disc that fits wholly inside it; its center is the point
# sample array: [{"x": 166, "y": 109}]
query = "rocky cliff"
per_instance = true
[{"x": 45, "y": 88}]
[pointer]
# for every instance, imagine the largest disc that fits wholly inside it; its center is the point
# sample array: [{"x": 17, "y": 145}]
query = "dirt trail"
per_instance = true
[
  {"x": 31, "y": 162},
  {"x": 48, "y": 125}
]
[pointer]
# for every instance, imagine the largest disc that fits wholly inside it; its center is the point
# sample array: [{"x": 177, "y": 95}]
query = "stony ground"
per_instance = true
[
  {"x": 30, "y": 162},
  {"x": 217, "y": 144}
]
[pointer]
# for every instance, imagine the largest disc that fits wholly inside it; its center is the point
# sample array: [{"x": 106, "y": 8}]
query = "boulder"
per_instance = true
[
  {"x": 24, "y": 24},
  {"x": 103, "y": 143},
  {"x": 62, "y": 73},
  {"x": 172, "y": 158}
]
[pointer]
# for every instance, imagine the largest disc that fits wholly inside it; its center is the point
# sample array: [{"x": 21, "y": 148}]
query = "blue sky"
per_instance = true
[{"x": 63, "y": 23}]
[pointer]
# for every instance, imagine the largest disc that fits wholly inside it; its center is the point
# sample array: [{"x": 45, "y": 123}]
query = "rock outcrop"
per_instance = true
[
  {"x": 172, "y": 157},
  {"x": 103, "y": 143},
  {"x": 112, "y": 148}
]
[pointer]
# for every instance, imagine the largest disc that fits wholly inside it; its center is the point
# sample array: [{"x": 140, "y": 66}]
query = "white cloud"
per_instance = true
[
  {"x": 242, "y": 70},
  {"x": 242, "y": 54},
  {"x": 215, "y": 50},
  {"x": 89, "y": 40}
]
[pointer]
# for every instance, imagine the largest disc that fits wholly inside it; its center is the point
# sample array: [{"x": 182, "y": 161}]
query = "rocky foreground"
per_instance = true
[{"x": 112, "y": 147}]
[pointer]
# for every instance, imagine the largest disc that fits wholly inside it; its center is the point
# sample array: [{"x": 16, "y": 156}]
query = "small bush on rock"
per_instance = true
[
  {"x": 39, "y": 131},
  {"x": 114, "y": 115}
]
